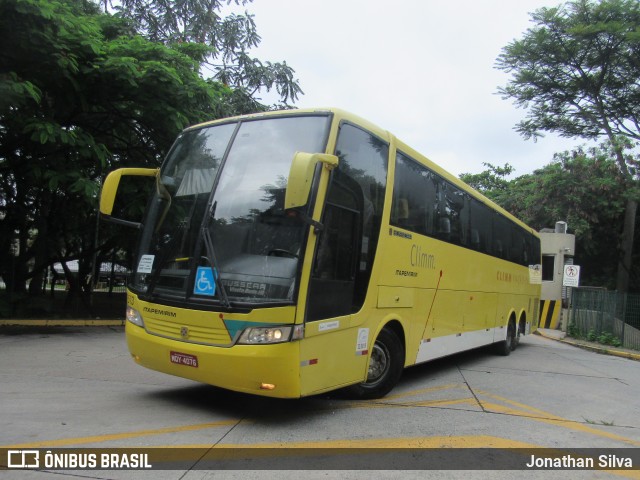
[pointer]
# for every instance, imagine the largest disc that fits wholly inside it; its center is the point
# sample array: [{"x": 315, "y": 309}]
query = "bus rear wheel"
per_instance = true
[
  {"x": 385, "y": 367},
  {"x": 506, "y": 346}
]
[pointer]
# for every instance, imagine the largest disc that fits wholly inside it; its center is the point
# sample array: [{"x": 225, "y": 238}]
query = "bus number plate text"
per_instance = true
[{"x": 184, "y": 359}]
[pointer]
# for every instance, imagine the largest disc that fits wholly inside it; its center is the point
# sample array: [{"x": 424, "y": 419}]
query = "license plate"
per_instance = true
[{"x": 184, "y": 359}]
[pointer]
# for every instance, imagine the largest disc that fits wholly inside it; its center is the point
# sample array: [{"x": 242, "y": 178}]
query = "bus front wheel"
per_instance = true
[{"x": 385, "y": 367}]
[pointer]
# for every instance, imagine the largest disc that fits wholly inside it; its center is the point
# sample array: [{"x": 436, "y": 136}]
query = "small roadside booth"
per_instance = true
[{"x": 558, "y": 250}]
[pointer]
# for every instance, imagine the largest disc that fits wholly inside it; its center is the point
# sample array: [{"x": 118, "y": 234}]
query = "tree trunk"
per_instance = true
[
  {"x": 626, "y": 247},
  {"x": 40, "y": 246},
  {"x": 629, "y": 227}
]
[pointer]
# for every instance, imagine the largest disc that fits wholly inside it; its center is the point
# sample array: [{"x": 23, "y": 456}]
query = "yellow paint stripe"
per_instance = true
[
  {"x": 546, "y": 417},
  {"x": 288, "y": 449},
  {"x": 517, "y": 404},
  {"x": 176, "y": 452},
  {"x": 445, "y": 403},
  {"x": 555, "y": 316},
  {"x": 551, "y": 313},
  {"x": 428, "y": 403},
  {"x": 413, "y": 393},
  {"x": 469, "y": 441},
  {"x": 122, "y": 436},
  {"x": 419, "y": 403},
  {"x": 568, "y": 424},
  {"x": 465, "y": 441},
  {"x": 543, "y": 313}
]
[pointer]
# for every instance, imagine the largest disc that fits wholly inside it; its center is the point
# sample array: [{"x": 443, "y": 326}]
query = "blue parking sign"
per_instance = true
[{"x": 205, "y": 283}]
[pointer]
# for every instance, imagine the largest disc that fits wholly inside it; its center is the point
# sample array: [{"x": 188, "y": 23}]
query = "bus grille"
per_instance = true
[{"x": 185, "y": 332}]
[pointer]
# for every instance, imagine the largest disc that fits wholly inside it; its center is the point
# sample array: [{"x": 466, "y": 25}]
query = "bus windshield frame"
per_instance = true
[{"x": 216, "y": 231}]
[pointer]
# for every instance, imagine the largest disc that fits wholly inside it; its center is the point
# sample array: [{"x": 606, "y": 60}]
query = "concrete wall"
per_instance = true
[{"x": 562, "y": 246}]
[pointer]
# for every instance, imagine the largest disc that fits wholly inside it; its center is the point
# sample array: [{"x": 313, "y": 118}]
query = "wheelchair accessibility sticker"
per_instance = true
[{"x": 205, "y": 283}]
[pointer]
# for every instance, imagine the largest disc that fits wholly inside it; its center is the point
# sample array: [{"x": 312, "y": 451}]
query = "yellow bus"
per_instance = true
[{"x": 292, "y": 253}]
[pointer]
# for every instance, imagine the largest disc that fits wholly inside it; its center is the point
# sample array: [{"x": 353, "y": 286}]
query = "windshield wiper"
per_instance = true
[{"x": 211, "y": 255}]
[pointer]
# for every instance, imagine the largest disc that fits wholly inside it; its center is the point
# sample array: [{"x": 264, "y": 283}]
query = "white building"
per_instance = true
[{"x": 558, "y": 250}]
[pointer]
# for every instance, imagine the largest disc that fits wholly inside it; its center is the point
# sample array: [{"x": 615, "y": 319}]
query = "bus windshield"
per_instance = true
[{"x": 216, "y": 228}]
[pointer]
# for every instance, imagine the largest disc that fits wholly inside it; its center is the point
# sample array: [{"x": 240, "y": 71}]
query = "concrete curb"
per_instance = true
[
  {"x": 61, "y": 323},
  {"x": 594, "y": 348}
]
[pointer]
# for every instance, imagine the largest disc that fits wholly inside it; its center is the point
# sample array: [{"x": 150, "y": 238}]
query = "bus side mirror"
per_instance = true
[
  {"x": 301, "y": 176},
  {"x": 110, "y": 188}
]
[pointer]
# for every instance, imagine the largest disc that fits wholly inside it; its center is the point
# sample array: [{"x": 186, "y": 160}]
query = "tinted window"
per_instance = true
[
  {"x": 363, "y": 158},
  {"x": 414, "y": 197},
  {"x": 480, "y": 234},
  {"x": 426, "y": 203}
]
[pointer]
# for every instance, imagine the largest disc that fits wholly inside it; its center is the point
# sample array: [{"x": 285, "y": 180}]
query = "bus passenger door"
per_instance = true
[
  {"x": 328, "y": 351},
  {"x": 336, "y": 337},
  {"x": 332, "y": 279}
]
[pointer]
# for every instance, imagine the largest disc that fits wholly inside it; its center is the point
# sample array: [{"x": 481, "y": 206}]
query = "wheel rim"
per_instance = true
[{"x": 378, "y": 364}]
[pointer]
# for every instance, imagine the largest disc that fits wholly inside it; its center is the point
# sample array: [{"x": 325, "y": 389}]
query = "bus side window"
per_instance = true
[
  {"x": 481, "y": 227},
  {"x": 413, "y": 193},
  {"x": 442, "y": 212},
  {"x": 475, "y": 240},
  {"x": 502, "y": 237},
  {"x": 364, "y": 159}
]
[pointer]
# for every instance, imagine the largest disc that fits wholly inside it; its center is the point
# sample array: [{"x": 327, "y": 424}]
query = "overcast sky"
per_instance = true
[{"x": 422, "y": 69}]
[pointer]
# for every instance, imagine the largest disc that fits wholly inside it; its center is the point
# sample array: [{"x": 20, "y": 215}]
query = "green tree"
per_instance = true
[
  {"x": 576, "y": 73},
  {"x": 80, "y": 95},
  {"x": 585, "y": 188},
  {"x": 229, "y": 40},
  {"x": 490, "y": 182}
]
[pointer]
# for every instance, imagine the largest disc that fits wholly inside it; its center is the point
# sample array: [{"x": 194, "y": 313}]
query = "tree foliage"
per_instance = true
[
  {"x": 490, "y": 182},
  {"x": 586, "y": 189},
  {"x": 576, "y": 73},
  {"x": 82, "y": 94},
  {"x": 229, "y": 40}
]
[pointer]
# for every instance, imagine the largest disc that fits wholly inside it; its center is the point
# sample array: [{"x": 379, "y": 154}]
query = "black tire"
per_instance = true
[
  {"x": 385, "y": 367},
  {"x": 519, "y": 332},
  {"x": 508, "y": 345}
]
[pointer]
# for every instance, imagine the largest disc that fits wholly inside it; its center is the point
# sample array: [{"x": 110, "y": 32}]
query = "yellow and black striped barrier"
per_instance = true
[{"x": 550, "y": 313}]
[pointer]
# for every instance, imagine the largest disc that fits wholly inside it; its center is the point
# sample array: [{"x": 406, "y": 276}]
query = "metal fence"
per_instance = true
[{"x": 610, "y": 318}]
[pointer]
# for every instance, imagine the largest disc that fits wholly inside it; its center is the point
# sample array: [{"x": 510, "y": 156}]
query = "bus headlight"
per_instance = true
[
  {"x": 263, "y": 335},
  {"x": 134, "y": 317}
]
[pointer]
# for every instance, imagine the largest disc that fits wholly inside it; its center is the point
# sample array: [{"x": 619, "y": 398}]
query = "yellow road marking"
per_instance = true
[
  {"x": 471, "y": 441},
  {"x": 413, "y": 393},
  {"x": 122, "y": 436},
  {"x": 546, "y": 417},
  {"x": 465, "y": 441},
  {"x": 444, "y": 403},
  {"x": 417, "y": 403}
]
